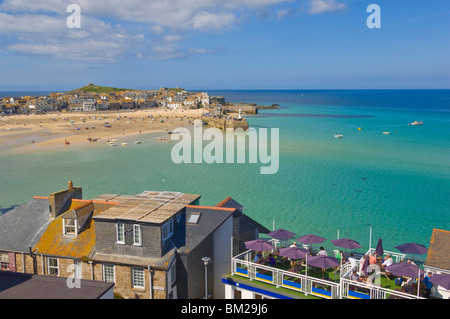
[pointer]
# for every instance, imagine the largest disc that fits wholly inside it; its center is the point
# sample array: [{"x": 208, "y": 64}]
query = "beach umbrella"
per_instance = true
[
  {"x": 311, "y": 239},
  {"x": 365, "y": 264},
  {"x": 259, "y": 245},
  {"x": 346, "y": 243},
  {"x": 442, "y": 280},
  {"x": 293, "y": 252},
  {"x": 407, "y": 270},
  {"x": 379, "y": 250},
  {"x": 404, "y": 269},
  {"x": 281, "y": 234},
  {"x": 412, "y": 248},
  {"x": 322, "y": 261}
]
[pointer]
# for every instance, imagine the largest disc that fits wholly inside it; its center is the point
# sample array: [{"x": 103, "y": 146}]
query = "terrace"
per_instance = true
[{"x": 302, "y": 281}]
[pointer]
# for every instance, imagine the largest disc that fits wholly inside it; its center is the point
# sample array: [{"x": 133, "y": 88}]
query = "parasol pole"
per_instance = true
[
  {"x": 418, "y": 284},
  {"x": 370, "y": 239}
]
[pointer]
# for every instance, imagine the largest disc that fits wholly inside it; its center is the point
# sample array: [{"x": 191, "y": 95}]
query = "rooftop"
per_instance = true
[
  {"x": 27, "y": 286},
  {"x": 149, "y": 206}
]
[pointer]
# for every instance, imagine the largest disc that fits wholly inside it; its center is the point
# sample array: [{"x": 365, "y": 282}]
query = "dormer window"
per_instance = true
[
  {"x": 74, "y": 220},
  {"x": 69, "y": 226}
]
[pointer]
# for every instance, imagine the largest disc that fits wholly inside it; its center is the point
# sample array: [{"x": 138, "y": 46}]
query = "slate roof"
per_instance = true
[
  {"x": 28, "y": 286},
  {"x": 211, "y": 218},
  {"x": 22, "y": 226},
  {"x": 439, "y": 249},
  {"x": 53, "y": 242}
]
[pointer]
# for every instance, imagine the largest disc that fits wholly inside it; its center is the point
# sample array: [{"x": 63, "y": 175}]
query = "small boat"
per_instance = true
[
  {"x": 123, "y": 144},
  {"x": 137, "y": 142},
  {"x": 338, "y": 135},
  {"x": 114, "y": 140},
  {"x": 108, "y": 125},
  {"x": 386, "y": 133},
  {"x": 174, "y": 132},
  {"x": 416, "y": 123},
  {"x": 162, "y": 139},
  {"x": 112, "y": 144}
]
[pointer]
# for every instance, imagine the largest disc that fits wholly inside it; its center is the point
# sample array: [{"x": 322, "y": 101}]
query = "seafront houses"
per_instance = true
[{"x": 149, "y": 245}]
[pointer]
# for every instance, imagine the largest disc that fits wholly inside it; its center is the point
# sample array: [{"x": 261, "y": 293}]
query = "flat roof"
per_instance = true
[
  {"x": 27, "y": 286},
  {"x": 148, "y": 206}
]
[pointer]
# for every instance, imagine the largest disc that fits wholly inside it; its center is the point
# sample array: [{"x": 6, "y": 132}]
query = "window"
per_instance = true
[
  {"x": 120, "y": 229},
  {"x": 69, "y": 226},
  {"x": 173, "y": 273},
  {"x": 108, "y": 273},
  {"x": 193, "y": 218},
  {"x": 167, "y": 229},
  {"x": 138, "y": 277},
  {"x": 4, "y": 261},
  {"x": 53, "y": 268},
  {"x": 137, "y": 237}
]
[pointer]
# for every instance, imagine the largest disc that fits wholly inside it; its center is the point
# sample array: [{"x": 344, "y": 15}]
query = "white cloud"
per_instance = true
[
  {"x": 154, "y": 28},
  {"x": 322, "y": 6}
]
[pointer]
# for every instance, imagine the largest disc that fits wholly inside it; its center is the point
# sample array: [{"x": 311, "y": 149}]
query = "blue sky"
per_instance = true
[{"x": 219, "y": 44}]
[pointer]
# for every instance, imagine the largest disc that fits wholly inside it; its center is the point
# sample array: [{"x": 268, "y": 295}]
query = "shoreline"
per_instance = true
[{"x": 51, "y": 129}]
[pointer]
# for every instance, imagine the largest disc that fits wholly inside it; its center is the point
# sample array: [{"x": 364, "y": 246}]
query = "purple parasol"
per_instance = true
[
  {"x": 404, "y": 269},
  {"x": 281, "y": 234},
  {"x": 442, "y": 280},
  {"x": 323, "y": 262},
  {"x": 259, "y": 245},
  {"x": 293, "y": 252},
  {"x": 346, "y": 243},
  {"x": 311, "y": 239},
  {"x": 413, "y": 248},
  {"x": 379, "y": 250}
]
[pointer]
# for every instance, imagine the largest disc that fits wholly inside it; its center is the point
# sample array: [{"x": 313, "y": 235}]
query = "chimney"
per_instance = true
[{"x": 59, "y": 200}]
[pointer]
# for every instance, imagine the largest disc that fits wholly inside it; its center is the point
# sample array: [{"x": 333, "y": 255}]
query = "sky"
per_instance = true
[{"x": 224, "y": 44}]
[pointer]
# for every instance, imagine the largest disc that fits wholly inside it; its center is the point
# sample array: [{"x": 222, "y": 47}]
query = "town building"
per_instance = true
[{"x": 148, "y": 245}]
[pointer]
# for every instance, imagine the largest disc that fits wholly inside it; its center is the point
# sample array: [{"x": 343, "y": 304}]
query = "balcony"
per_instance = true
[{"x": 301, "y": 281}]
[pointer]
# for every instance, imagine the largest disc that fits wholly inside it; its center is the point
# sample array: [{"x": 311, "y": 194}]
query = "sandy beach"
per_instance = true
[{"x": 75, "y": 128}]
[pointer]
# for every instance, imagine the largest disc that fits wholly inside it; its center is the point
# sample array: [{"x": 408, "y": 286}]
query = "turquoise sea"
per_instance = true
[{"x": 398, "y": 184}]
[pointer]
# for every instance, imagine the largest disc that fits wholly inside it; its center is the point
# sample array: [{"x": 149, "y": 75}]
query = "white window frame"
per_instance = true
[
  {"x": 51, "y": 268},
  {"x": 138, "y": 281},
  {"x": 137, "y": 229},
  {"x": 120, "y": 233},
  {"x": 167, "y": 229},
  {"x": 66, "y": 226},
  {"x": 113, "y": 272}
]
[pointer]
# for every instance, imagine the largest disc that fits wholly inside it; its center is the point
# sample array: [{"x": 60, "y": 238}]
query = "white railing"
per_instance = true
[
  {"x": 242, "y": 265},
  {"x": 283, "y": 278}
]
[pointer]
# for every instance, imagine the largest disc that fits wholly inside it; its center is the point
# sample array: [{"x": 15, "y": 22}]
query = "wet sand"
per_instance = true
[{"x": 77, "y": 127}]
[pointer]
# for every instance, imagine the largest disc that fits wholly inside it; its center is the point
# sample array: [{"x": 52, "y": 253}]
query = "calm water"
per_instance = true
[{"x": 398, "y": 184}]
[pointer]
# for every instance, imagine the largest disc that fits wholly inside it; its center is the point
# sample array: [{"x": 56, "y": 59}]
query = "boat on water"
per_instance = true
[
  {"x": 386, "y": 133},
  {"x": 123, "y": 144},
  {"x": 113, "y": 140},
  {"x": 338, "y": 135},
  {"x": 137, "y": 142},
  {"x": 416, "y": 123},
  {"x": 162, "y": 139}
]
